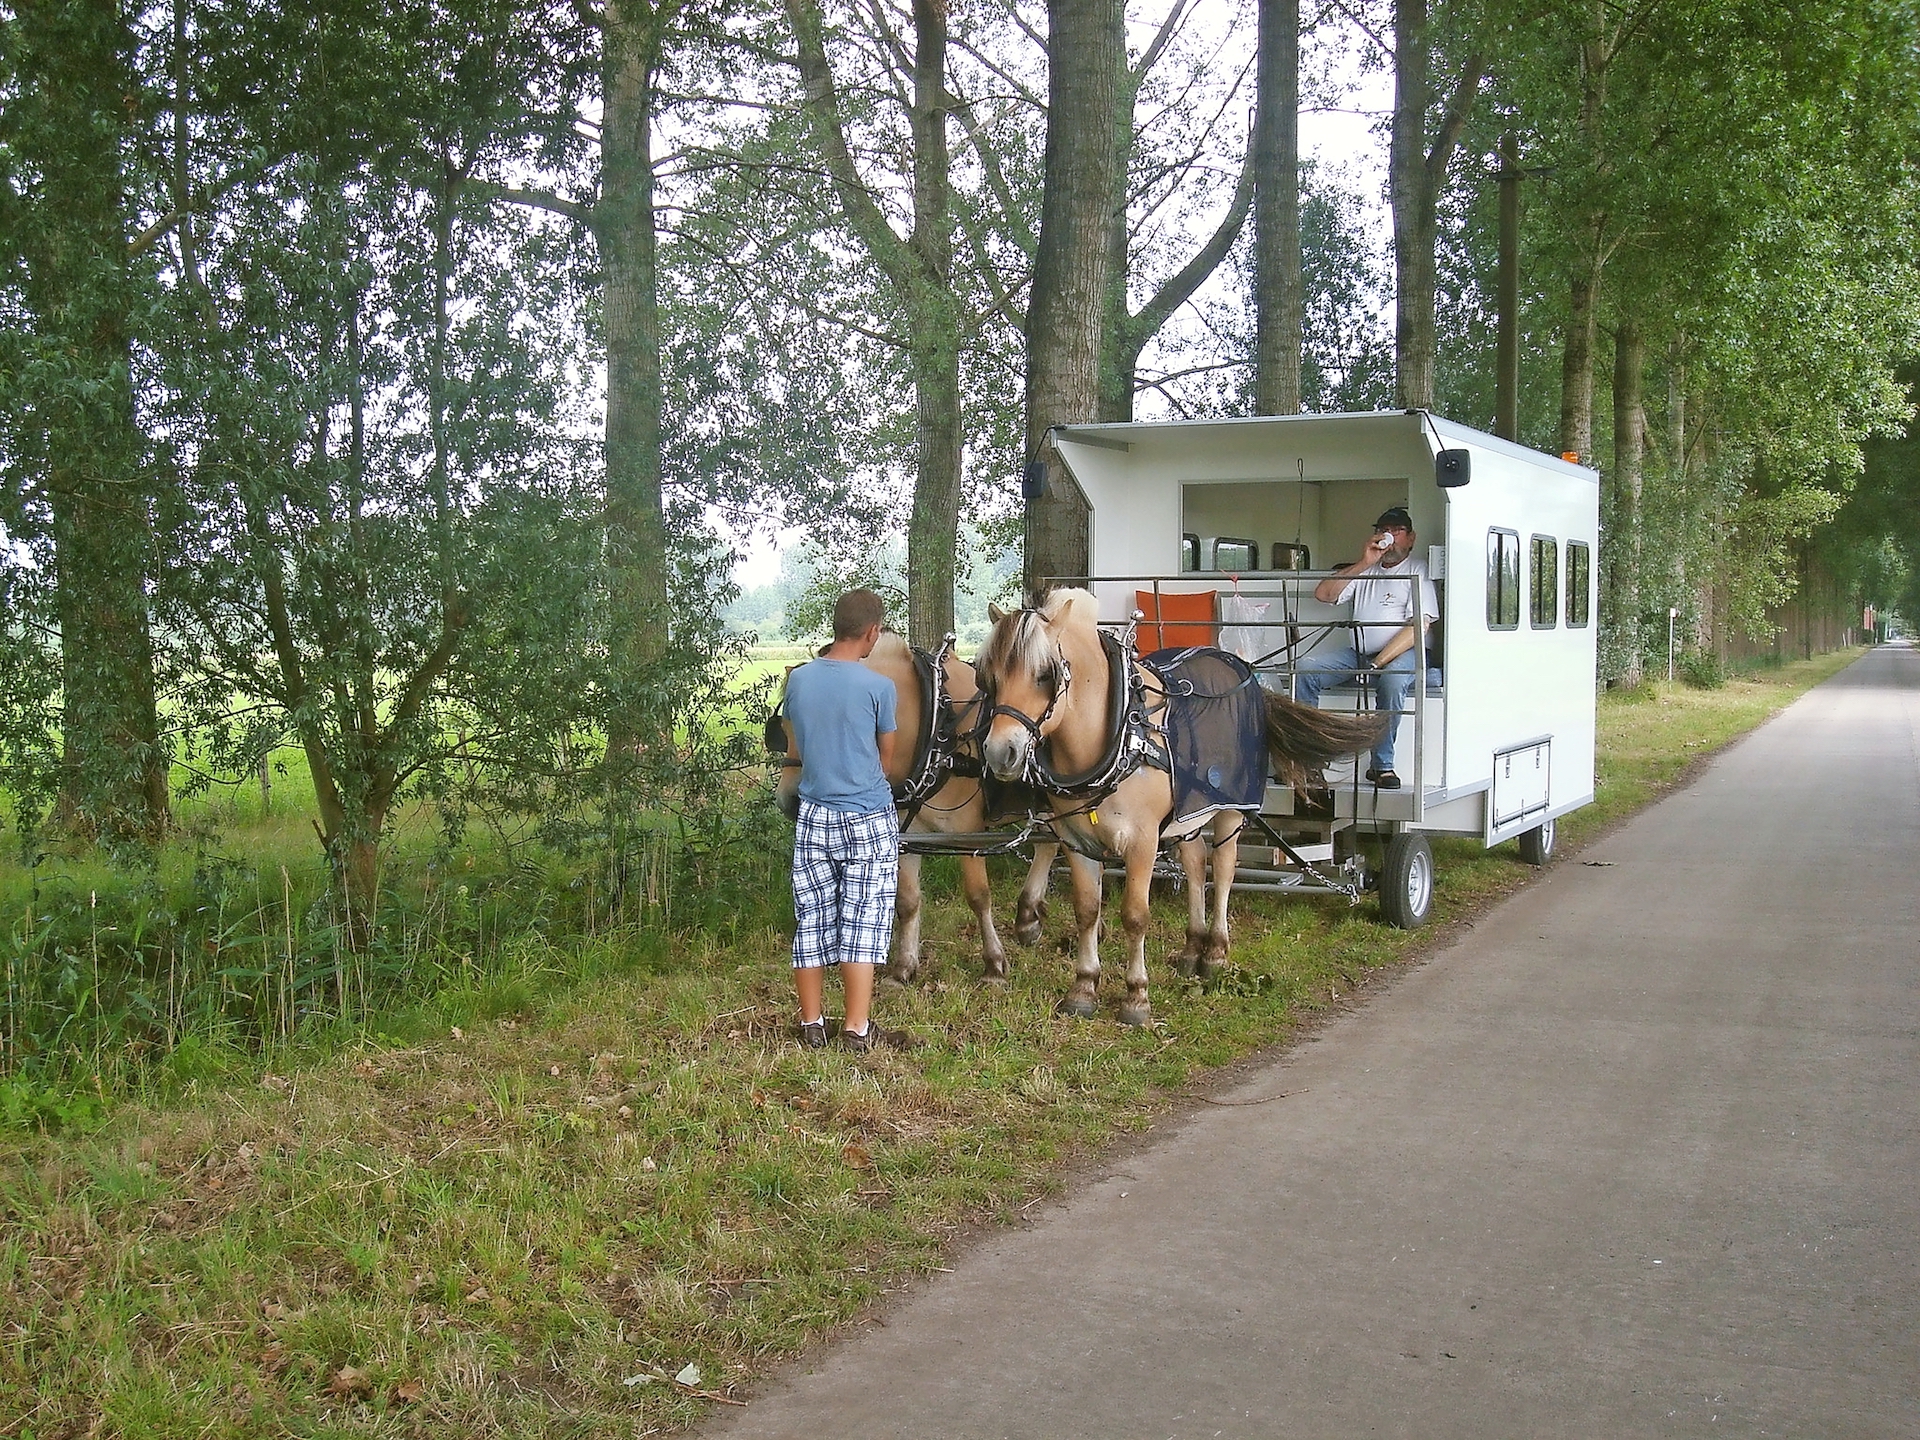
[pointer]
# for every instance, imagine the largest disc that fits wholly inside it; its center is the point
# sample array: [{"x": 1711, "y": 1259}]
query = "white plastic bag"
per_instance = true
[{"x": 1240, "y": 629}]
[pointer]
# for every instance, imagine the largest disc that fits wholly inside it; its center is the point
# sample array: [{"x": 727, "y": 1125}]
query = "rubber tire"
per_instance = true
[
  {"x": 1536, "y": 845},
  {"x": 1406, "y": 881}
]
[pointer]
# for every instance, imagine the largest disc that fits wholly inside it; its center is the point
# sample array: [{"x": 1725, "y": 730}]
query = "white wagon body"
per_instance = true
[{"x": 1502, "y": 741}]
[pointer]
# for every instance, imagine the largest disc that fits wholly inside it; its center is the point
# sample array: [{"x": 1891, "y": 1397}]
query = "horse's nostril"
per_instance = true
[{"x": 1003, "y": 758}]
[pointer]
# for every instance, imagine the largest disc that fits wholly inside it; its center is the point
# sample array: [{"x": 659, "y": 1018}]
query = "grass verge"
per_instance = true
[{"x": 594, "y": 1215}]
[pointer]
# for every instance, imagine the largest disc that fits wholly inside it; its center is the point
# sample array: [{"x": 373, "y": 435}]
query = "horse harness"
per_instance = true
[
  {"x": 938, "y": 752},
  {"x": 1136, "y": 736}
]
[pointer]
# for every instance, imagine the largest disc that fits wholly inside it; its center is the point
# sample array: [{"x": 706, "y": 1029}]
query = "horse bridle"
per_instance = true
[{"x": 1063, "y": 679}]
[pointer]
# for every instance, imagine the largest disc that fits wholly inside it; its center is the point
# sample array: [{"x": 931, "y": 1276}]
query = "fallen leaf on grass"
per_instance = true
[
  {"x": 647, "y": 1163},
  {"x": 409, "y": 1392},
  {"x": 351, "y": 1384},
  {"x": 478, "y": 1295},
  {"x": 275, "y": 1358},
  {"x": 857, "y": 1156}
]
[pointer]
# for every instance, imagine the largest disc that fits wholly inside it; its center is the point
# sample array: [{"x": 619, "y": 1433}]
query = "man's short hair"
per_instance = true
[{"x": 857, "y": 612}]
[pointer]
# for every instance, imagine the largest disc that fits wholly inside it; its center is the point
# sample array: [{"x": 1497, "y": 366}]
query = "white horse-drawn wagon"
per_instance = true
[{"x": 1227, "y": 532}]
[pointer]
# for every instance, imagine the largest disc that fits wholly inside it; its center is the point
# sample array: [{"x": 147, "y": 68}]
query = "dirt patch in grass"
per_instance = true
[{"x": 597, "y": 1217}]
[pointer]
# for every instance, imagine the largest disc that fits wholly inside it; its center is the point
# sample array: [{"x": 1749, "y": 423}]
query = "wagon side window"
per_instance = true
[
  {"x": 1543, "y": 607},
  {"x": 1578, "y": 587},
  {"x": 1232, "y": 554},
  {"x": 1503, "y": 580},
  {"x": 1189, "y": 551}
]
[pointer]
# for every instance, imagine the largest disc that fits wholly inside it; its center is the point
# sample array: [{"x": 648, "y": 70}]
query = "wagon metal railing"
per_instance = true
[{"x": 1289, "y": 586}]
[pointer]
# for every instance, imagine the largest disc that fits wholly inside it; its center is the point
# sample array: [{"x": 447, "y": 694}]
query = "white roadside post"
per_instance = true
[{"x": 1673, "y": 614}]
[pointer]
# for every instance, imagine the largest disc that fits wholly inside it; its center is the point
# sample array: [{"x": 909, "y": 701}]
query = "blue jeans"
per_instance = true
[{"x": 1336, "y": 666}]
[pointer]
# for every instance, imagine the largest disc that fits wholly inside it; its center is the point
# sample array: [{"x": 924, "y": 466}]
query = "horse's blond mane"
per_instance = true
[
  {"x": 891, "y": 645},
  {"x": 1021, "y": 643},
  {"x": 1071, "y": 604}
]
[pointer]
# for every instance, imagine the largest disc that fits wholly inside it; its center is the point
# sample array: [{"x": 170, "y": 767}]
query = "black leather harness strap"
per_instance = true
[{"x": 1134, "y": 735}]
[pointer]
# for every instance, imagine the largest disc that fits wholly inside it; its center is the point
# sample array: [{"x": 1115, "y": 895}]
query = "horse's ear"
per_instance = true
[{"x": 995, "y": 613}]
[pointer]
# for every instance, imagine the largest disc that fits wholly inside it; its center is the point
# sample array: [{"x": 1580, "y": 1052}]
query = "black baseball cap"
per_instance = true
[{"x": 1394, "y": 515}]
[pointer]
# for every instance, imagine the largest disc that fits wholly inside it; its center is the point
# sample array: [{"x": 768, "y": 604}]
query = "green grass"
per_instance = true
[{"x": 563, "y": 1183}]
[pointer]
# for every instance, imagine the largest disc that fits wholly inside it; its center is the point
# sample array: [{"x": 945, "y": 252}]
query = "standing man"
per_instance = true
[
  {"x": 1385, "y": 647},
  {"x": 846, "y": 845}
]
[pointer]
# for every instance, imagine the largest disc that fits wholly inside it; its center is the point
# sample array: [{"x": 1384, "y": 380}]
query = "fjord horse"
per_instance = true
[
  {"x": 1051, "y": 688},
  {"x": 958, "y": 807}
]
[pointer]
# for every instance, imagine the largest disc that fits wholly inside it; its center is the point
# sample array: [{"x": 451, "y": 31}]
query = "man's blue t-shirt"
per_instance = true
[{"x": 836, "y": 709}]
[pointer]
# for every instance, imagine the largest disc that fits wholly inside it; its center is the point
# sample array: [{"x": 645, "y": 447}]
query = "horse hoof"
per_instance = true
[
  {"x": 1080, "y": 1007},
  {"x": 1183, "y": 966},
  {"x": 1027, "y": 934},
  {"x": 1136, "y": 1015}
]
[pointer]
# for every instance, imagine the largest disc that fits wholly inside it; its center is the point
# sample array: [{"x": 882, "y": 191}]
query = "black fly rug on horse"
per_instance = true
[{"x": 1135, "y": 753}]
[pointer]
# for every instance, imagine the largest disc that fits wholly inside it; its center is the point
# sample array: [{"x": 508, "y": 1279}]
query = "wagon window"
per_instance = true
[
  {"x": 1503, "y": 580},
  {"x": 1232, "y": 554},
  {"x": 1189, "y": 551},
  {"x": 1543, "y": 608},
  {"x": 1578, "y": 588}
]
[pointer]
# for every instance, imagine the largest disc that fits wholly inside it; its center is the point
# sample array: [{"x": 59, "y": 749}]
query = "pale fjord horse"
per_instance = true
[{"x": 1048, "y": 681}]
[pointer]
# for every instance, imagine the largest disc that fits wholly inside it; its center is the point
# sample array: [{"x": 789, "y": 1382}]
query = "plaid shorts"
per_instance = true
[{"x": 846, "y": 870}]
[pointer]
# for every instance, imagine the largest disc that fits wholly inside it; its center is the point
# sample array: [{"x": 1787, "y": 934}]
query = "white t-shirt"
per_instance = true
[{"x": 1383, "y": 606}]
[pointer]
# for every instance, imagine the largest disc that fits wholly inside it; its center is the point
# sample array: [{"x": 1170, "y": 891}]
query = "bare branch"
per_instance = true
[
  {"x": 1384, "y": 45},
  {"x": 1459, "y": 107},
  {"x": 1011, "y": 214},
  {"x": 535, "y": 200},
  {"x": 1151, "y": 55},
  {"x": 1190, "y": 277},
  {"x": 822, "y": 109}
]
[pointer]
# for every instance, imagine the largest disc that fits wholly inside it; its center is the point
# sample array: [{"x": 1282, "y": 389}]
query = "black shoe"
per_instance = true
[
  {"x": 1384, "y": 779},
  {"x": 813, "y": 1034},
  {"x": 873, "y": 1037}
]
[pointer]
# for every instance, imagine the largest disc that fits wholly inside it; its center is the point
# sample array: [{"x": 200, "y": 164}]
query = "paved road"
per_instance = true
[{"x": 1637, "y": 1156}]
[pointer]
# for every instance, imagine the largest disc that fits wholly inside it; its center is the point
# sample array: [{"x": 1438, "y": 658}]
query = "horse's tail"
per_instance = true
[{"x": 1302, "y": 739}]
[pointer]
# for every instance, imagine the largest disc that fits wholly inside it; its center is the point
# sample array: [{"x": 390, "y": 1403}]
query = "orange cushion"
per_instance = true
[{"x": 1175, "y": 620}]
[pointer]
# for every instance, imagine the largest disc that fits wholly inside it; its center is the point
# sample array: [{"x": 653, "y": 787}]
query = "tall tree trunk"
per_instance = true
[
  {"x": 933, "y": 533},
  {"x": 919, "y": 271},
  {"x": 623, "y": 224},
  {"x": 1413, "y": 216},
  {"x": 1119, "y": 362},
  {"x": 77, "y": 83},
  {"x": 1506, "y": 388},
  {"x": 1624, "y": 484},
  {"x": 1086, "y": 41},
  {"x": 1279, "y": 284},
  {"x": 1576, "y": 369},
  {"x": 1416, "y": 176}
]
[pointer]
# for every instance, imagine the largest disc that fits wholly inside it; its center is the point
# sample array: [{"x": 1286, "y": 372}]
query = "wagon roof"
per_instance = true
[{"x": 1392, "y": 425}]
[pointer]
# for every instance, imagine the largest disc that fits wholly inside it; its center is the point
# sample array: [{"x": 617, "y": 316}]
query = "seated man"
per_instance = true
[{"x": 1385, "y": 648}]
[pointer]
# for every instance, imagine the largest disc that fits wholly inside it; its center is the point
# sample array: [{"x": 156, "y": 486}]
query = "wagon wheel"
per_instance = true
[
  {"x": 1536, "y": 845},
  {"x": 1406, "y": 881}
]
